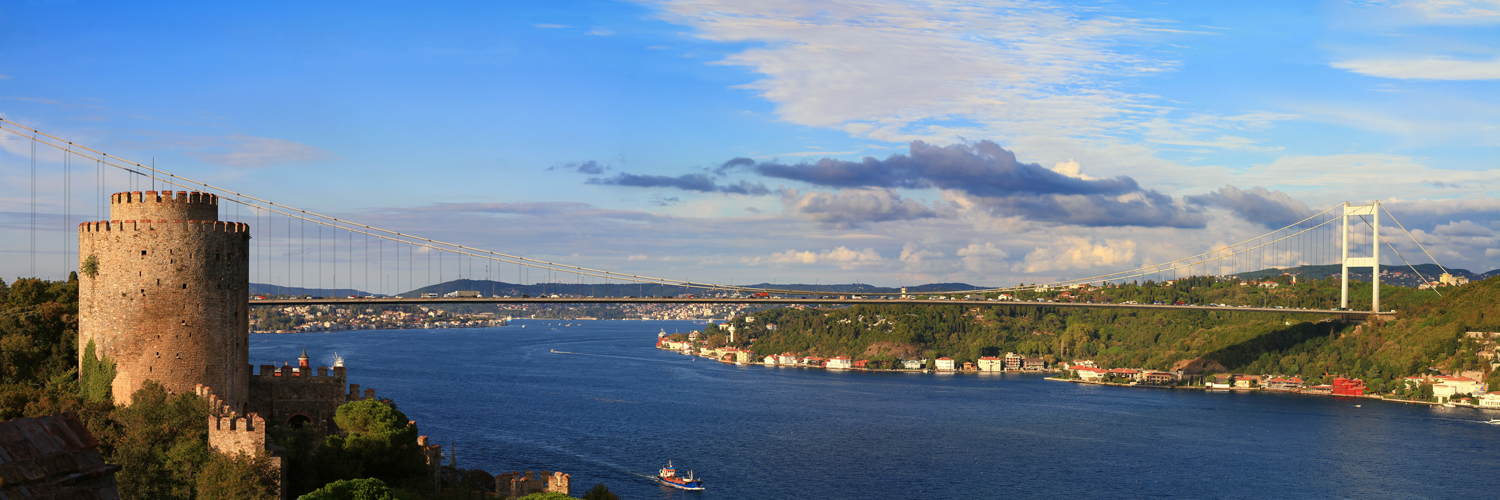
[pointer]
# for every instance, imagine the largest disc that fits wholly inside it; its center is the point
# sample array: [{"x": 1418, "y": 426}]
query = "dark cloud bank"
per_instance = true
[{"x": 987, "y": 173}]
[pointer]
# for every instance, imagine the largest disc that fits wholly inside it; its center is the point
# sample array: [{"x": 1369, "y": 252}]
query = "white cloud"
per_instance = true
[
  {"x": 550, "y": 26},
  {"x": 842, "y": 257},
  {"x": 984, "y": 259},
  {"x": 1455, "y": 11},
  {"x": 636, "y": 257},
  {"x": 1078, "y": 254},
  {"x": 894, "y": 71},
  {"x": 1429, "y": 68}
]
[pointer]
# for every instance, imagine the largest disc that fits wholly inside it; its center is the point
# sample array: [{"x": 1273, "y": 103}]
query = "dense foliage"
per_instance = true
[
  {"x": 1429, "y": 331},
  {"x": 376, "y": 440},
  {"x": 352, "y": 489},
  {"x": 160, "y": 441}
]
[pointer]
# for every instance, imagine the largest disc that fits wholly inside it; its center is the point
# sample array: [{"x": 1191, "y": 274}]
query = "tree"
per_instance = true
[
  {"x": 600, "y": 492},
  {"x": 164, "y": 443},
  {"x": 352, "y": 489},
  {"x": 239, "y": 477},
  {"x": 376, "y": 440},
  {"x": 546, "y": 496}
]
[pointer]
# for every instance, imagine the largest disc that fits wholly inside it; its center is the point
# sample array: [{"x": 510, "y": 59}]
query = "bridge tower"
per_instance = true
[
  {"x": 162, "y": 293},
  {"x": 1373, "y": 261}
]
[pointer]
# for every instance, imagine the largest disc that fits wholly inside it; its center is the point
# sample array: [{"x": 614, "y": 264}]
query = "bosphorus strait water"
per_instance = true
[{"x": 612, "y": 409}]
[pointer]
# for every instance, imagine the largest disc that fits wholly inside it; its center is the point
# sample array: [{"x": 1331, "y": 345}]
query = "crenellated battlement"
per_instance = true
[
  {"x": 158, "y": 205},
  {"x": 216, "y": 406},
  {"x": 232, "y": 434},
  {"x": 206, "y": 226},
  {"x": 276, "y": 373}
]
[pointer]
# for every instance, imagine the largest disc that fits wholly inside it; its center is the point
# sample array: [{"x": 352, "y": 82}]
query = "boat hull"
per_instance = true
[{"x": 691, "y": 486}]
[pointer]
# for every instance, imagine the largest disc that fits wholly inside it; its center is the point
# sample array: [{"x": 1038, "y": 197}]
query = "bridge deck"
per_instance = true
[{"x": 791, "y": 301}]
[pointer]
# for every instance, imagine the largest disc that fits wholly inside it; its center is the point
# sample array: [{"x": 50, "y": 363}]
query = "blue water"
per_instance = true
[{"x": 618, "y": 409}]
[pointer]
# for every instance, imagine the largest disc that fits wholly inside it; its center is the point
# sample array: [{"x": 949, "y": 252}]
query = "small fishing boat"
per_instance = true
[{"x": 668, "y": 476}]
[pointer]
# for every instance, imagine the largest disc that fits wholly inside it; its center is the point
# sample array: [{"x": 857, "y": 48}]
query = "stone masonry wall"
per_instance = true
[
  {"x": 282, "y": 394},
  {"x": 168, "y": 301}
]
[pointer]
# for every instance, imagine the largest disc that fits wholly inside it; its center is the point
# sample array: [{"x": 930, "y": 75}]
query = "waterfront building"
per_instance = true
[
  {"x": 1284, "y": 384},
  {"x": 1088, "y": 372},
  {"x": 945, "y": 364},
  {"x": 1348, "y": 387},
  {"x": 1159, "y": 378},
  {"x": 912, "y": 364},
  {"x": 1247, "y": 381},
  {"x": 991, "y": 364},
  {"x": 1013, "y": 361},
  {"x": 1033, "y": 364},
  {"x": 840, "y": 363},
  {"x": 1490, "y": 400},
  {"x": 786, "y": 359}
]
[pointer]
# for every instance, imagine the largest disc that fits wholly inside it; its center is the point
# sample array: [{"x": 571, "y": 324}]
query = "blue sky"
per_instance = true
[{"x": 606, "y": 133}]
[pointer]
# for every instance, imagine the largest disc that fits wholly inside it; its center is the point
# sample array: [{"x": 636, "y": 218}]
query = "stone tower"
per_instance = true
[{"x": 163, "y": 290}]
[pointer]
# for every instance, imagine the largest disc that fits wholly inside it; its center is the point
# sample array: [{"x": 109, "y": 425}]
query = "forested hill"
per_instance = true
[{"x": 1428, "y": 332}]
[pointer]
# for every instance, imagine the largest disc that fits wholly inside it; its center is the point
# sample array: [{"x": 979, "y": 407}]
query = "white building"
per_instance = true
[
  {"x": 840, "y": 362},
  {"x": 912, "y": 364},
  {"x": 1490, "y": 400},
  {"x": 945, "y": 364},
  {"x": 991, "y": 364}
]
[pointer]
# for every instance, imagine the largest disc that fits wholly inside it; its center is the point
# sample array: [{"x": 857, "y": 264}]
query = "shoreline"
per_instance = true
[{"x": 1375, "y": 397}]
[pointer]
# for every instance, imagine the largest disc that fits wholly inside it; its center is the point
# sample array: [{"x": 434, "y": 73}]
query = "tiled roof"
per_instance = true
[{"x": 53, "y": 457}]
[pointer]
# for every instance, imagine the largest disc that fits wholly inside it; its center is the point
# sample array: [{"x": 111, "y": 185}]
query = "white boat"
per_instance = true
[{"x": 1494, "y": 421}]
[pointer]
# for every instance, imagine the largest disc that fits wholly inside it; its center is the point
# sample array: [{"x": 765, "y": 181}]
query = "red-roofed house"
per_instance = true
[
  {"x": 945, "y": 364},
  {"x": 1088, "y": 372},
  {"x": 991, "y": 364}
]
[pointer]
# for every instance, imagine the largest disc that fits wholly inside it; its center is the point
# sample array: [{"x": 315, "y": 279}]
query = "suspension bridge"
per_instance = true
[{"x": 298, "y": 249}]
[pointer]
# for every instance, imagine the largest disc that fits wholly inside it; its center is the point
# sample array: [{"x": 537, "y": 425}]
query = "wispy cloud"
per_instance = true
[
  {"x": 906, "y": 71},
  {"x": 1427, "y": 68},
  {"x": 550, "y": 26},
  {"x": 240, "y": 150}
]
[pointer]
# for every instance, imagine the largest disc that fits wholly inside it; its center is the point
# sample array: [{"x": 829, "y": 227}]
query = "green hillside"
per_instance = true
[{"x": 1428, "y": 331}]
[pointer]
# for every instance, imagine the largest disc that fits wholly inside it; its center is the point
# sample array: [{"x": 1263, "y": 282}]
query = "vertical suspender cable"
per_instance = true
[
  {"x": 33, "y": 204},
  {"x": 67, "y": 206}
]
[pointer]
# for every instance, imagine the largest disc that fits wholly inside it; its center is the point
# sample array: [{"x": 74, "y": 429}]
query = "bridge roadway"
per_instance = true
[{"x": 1345, "y": 315}]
